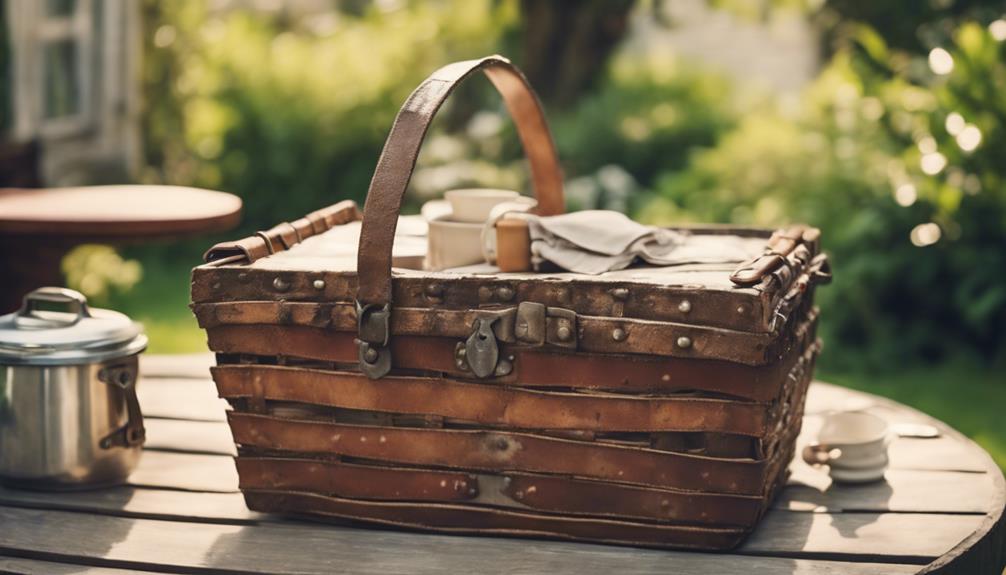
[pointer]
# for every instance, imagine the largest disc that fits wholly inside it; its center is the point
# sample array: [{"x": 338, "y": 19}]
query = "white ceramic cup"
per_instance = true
[
  {"x": 475, "y": 204},
  {"x": 853, "y": 444},
  {"x": 453, "y": 244}
]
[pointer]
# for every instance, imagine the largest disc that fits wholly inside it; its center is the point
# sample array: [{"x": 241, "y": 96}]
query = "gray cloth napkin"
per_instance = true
[{"x": 598, "y": 241}]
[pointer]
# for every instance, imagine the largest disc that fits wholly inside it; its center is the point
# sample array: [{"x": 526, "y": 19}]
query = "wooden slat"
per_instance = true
[
  {"x": 898, "y": 537},
  {"x": 191, "y": 365},
  {"x": 906, "y": 491},
  {"x": 903, "y": 491},
  {"x": 187, "y": 399},
  {"x": 37, "y": 567},
  {"x": 211, "y": 437},
  {"x": 291, "y": 548},
  {"x": 140, "y": 502},
  {"x": 186, "y": 471}
]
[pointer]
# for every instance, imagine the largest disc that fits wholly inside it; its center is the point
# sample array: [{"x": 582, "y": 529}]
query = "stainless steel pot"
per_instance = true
[{"x": 69, "y": 416}]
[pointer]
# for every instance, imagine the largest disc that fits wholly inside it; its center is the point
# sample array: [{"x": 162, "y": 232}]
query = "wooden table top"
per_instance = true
[
  {"x": 96, "y": 212},
  {"x": 940, "y": 510}
]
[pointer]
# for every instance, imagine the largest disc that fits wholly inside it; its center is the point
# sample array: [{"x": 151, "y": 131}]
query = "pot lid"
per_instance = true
[{"x": 68, "y": 331}]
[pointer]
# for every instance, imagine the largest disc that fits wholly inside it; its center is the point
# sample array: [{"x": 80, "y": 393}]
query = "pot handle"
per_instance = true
[
  {"x": 76, "y": 300},
  {"x": 133, "y": 432},
  {"x": 394, "y": 170}
]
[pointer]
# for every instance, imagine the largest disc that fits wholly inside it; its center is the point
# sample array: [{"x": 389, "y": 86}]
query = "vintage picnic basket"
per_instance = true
[{"x": 654, "y": 406}]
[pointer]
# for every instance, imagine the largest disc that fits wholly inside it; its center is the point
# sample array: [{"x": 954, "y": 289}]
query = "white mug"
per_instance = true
[
  {"x": 853, "y": 444},
  {"x": 473, "y": 205}
]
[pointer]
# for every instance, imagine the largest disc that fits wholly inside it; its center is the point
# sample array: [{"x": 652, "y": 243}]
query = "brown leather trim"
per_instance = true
[
  {"x": 595, "y": 334},
  {"x": 285, "y": 235},
  {"x": 531, "y": 367},
  {"x": 622, "y": 374},
  {"x": 398, "y": 159},
  {"x": 743, "y": 309},
  {"x": 513, "y": 490},
  {"x": 493, "y": 404},
  {"x": 502, "y": 451},
  {"x": 480, "y": 520},
  {"x": 355, "y": 481}
]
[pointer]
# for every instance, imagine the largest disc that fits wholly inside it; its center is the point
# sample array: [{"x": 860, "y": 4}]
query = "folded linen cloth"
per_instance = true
[{"x": 598, "y": 241}]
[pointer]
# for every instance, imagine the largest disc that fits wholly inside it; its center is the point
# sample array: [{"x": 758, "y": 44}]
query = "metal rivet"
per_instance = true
[
  {"x": 485, "y": 293},
  {"x": 741, "y": 309},
  {"x": 501, "y": 444},
  {"x": 504, "y": 367},
  {"x": 562, "y": 294},
  {"x": 370, "y": 355},
  {"x": 620, "y": 293},
  {"x": 504, "y": 293},
  {"x": 243, "y": 277},
  {"x": 280, "y": 284},
  {"x": 618, "y": 334},
  {"x": 434, "y": 290},
  {"x": 563, "y": 333},
  {"x": 319, "y": 284},
  {"x": 684, "y": 342},
  {"x": 685, "y": 306}
]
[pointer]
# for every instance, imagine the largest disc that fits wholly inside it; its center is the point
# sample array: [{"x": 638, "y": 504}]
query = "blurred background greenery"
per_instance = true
[{"x": 882, "y": 123}]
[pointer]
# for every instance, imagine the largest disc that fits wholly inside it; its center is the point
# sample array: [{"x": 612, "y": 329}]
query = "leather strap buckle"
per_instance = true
[{"x": 373, "y": 331}]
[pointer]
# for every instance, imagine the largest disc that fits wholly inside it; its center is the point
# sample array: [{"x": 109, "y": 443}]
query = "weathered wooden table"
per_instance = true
[
  {"x": 39, "y": 226},
  {"x": 940, "y": 510}
]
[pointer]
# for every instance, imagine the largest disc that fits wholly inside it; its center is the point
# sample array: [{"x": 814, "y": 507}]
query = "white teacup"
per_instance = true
[
  {"x": 474, "y": 205},
  {"x": 453, "y": 244},
  {"x": 853, "y": 444}
]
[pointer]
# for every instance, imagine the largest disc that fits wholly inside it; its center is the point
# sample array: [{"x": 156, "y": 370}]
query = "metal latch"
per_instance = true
[
  {"x": 538, "y": 324},
  {"x": 529, "y": 323},
  {"x": 481, "y": 350},
  {"x": 373, "y": 330}
]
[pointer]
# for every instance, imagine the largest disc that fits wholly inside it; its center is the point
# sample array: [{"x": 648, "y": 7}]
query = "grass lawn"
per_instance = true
[{"x": 967, "y": 396}]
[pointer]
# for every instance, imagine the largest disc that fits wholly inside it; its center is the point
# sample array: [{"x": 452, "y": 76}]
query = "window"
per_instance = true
[
  {"x": 54, "y": 60},
  {"x": 64, "y": 44}
]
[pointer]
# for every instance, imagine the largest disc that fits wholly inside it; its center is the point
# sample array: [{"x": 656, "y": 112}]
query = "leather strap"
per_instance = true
[
  {"x": 394, "y": 169},
  {"x": 493, "y": 404},
  {"x": 501, "y": 451}
]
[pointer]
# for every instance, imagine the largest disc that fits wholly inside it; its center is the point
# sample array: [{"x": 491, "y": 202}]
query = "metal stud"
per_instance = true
[
  {"x": 620, "y": 293},
  {"x": 370, "y": 355},
  {"x": 684, "y": 342},
  {"x": 504, "y": 367},
  {"x": 485, "y": 293},
  {"x": 280, "y": 284},
  {"x": 504, "y": 293},
  {"x": 563, "y": 333},
  {"x": 319, "y": 284},
  {"x": 434, "y": 291},
  {"x": 741, "y": 310},
  {"x": 685, "y": 306},
  {"x": 618, "y": 334}
]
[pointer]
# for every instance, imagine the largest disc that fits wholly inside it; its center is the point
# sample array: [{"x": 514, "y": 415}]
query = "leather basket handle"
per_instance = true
[{"x": 394, "y": 169}]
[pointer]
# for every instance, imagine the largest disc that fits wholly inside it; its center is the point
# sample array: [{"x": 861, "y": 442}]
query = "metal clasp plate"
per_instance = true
[{"x": 373, "y": 331}]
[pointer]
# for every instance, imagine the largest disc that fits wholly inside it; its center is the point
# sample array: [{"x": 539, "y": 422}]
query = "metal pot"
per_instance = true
[{"x": 69, "y": 416}]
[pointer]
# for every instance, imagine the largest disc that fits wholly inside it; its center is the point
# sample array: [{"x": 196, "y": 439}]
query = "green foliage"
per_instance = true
[
  {"x": 646, "y": 117},
  {"x": 915, "y": 220},
  {"x": 291, "y": 112}
]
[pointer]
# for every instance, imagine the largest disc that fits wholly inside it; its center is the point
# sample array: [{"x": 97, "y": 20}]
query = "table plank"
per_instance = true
[
  {"x": 900, "y": 537},
  {"x": 185, "y": 471},
  {"x": 181, "y": 398},
  {"x": 211, "y": 437},
  {"x": 289, "y": 548},
  {"x": 180, "y": 366},
  {"x": 37, "y": 567}
]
